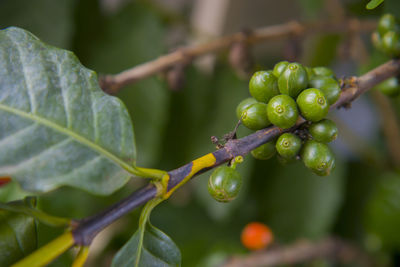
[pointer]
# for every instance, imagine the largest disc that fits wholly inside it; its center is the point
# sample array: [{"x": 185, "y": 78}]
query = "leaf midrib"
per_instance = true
[{"x": 82, "y": 140}]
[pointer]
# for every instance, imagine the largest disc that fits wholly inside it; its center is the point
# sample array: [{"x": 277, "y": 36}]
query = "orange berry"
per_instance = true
[
  {"x": 256, "y": 236},
  {"x": 4, "y": 180}
]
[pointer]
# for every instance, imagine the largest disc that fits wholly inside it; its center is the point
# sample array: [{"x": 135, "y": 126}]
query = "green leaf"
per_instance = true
[
  {"x": 373, "y": 4},
  {"x": 58, "y": 127},
  {"x": 149, "y": 246},
  {"x": 17, "y": 235},
  {"x": 382, "y": 217},
  {"x": 25, "y": 207}
]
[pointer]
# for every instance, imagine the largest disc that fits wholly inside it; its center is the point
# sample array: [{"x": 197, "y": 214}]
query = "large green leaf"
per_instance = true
[
  {"x": 57, "y": 127},
  {"x": 17, "y": 235},
  {"x": 149, "y": 246}
]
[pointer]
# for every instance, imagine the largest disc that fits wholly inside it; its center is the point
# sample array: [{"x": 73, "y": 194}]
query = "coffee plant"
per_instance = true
[{"x": 294, "y": 158}]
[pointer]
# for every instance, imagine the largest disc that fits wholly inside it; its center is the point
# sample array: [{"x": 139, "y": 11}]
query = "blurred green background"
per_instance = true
[{"x": 359, "y": 202}]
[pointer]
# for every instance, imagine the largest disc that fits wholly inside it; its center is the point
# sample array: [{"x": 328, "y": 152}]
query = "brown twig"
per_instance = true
[
  {"x": 354, "y": 87},
  {"x": 113, "y": 83},
  {"x": 303, "y": 251}
]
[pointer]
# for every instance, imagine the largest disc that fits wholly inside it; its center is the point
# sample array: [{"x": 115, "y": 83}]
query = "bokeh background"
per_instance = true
[{"x": 175, "y": 118}]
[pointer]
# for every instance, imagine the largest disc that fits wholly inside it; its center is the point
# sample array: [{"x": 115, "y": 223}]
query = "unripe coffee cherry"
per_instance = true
[
  {"x": 323, "y": 71},
  {"x": 288, "y": 145},
  {"x": 224, "y": 184},
  {"x": 313, "y": 104},
  {"x": 263, "y": 86},
  {"x": 324, "y": 131},
  {"x": 279, "y": 68},
  {"x": 255, "y": 116},
  {"x": 310, "y": 73},
  {"x": 387, "y": 23},
  {"x": 391, "y": 43},
  {"x": 318, "y": 157},
  {"x": 390, "y": 87},
  {"x": 293, "y": 80},
  {"x": 282, "y": 111},
  {"x": 245, "y": 103},
  {"x": 328, "y": 85},
  {"x": 265, "y": 151}
]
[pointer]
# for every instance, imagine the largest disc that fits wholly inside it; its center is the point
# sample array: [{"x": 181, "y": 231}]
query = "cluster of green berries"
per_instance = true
[
  {"x": 387, "y": 36},
  {"x": 387, "y": 39},
  {"x": 279, "y": 96},
  {"x": 290, "y": 89}
]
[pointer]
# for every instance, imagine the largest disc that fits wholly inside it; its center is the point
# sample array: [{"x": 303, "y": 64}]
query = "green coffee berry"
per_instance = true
[
  {"x": 255, "y": 116},
  {"x": 390, "y": 87},
  {"x": 279, "y": 68},
  {"x": 265, "y": 151},
  {"x": 243, "y": 105},
  {"x": 318, "y": 157},
  {"x": 328, "y": 85},
  {"x": 282, "y": 111},
  {"x": 313, "y": 104},
  {"x": 310, "y": 73},
  {"x": 293, "y": 80},
  {"x": 323, "y": 71},
  {"x": 324, "y": 131},
  {"x": 288, "y": 145},
  {"x": 387, "y": 23},
  {"x": 391, "y": 43},
  {"x": 263, "y": 86},
  {"x": 224, "y": 184}
]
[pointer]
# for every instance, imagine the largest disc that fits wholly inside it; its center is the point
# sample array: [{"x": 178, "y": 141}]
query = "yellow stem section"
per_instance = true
[
  {"x": 197, "y": 165},
  {"x": 81, "y": 257},
  {"x": 48, "y": 252}
]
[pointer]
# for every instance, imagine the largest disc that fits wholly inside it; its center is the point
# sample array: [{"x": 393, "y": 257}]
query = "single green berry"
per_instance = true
[
  {"x": 279, "y": 68},
  {"x": 387, "y": 23},
  {"x": 323, "y": 71},
  {"x": 265, "y": 151},
  {"x": 318, "y": 157},
  {"x": 245, "y": 103},
  {"x": 255, "y": 116},
  {"x": 288, "y": 145},
  {"x": 390, "y": 87},
  {"x": 282, "y": 111},
  {"x": 310, "y": 73},
  {"x": 324, "y": 131},
  {"x": 224, "y": 184},
  {"x": 313, "y": 104},
  {"x": 328, "y": 85},
  {"x": 293, "y": 80},
  {"x": 391, "y": 43},
  {"x": 263, "y": 86}
]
